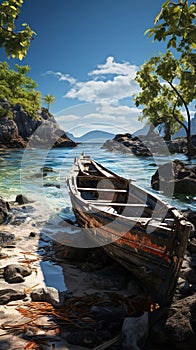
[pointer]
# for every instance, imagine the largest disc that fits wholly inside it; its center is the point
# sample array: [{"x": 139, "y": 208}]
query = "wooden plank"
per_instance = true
[
  {"x": 117, "y": 204},
  {"x": 100, "y": 189},
  {"x": 96, "y": 177}
]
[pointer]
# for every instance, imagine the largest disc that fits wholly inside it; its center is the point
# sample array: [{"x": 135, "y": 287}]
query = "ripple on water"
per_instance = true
[{"x": 19, "y": 169}]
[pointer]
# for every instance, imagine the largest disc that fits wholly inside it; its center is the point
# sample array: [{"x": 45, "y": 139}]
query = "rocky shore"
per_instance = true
[
  {"x": 146, "y": 145},
  {"x": 57, "y": 297},
  {"x": 17, "y": 130},
  {"x": 182, "y": 177}
]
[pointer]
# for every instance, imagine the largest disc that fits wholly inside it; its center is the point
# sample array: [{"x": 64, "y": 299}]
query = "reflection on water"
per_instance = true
[{"x": 21, "y": 172}]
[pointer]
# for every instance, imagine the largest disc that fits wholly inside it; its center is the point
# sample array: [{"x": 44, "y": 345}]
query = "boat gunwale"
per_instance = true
[{"x": 176, "y": 215}]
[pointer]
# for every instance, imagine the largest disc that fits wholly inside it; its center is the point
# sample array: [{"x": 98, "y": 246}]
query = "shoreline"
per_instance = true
[{"x": 85, "y": 277}]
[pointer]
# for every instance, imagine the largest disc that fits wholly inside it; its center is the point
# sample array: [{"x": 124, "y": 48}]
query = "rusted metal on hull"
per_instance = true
[{"x": 148, "y": 245}]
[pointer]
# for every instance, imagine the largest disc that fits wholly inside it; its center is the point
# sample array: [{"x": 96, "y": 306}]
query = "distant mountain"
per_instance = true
[
  {"x": 142, "y": 131},
  {"x": 92, "y": 136},
  {"x": 182, "y": 132}
]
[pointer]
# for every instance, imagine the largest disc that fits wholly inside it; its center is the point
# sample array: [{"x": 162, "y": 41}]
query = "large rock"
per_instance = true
[
  {"x": 142, "y": 145},
  {"x": 9, "y": 135},
  {"x": 147, "y": 145},
  {"x": 50, "y": 295},
  {"x": 178, "y": 145},
  {"x": 7, "y": 295},
  {"x": 179, "y": 327},
  {"x": 126, "y": 143},
  {"x": 6, "y": 238},
  {"x": 21, "y": 199},
  {"x": 43, "y": 131},
  {"x": 181, "y": 177},
  {"x": 4, "y": 210},
  {"x": 15, "y": 273}
]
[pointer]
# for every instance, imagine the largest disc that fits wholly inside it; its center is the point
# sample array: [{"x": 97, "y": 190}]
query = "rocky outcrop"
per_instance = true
[
  {"x": 146, "y": 145},
  {"x": 182, "y": 177},
  {"x": 9, "y": 136},
  {"x": 126, "y": 143},
  {"x": 19, "y": 128}
]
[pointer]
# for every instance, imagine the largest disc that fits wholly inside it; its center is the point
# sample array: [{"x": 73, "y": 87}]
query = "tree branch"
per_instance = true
[
  {"x": 178, "y": 120},
  {"x": 184, "y": 103}
]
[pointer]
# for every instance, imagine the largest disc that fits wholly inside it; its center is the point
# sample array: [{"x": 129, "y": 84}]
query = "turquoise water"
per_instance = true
[{"x": 21, "y": 173}]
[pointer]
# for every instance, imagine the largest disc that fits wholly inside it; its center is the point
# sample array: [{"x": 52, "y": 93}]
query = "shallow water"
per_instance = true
[{"x": 21, "y": 173}]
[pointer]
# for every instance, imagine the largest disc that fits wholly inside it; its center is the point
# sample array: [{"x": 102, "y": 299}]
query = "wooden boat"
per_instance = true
[{"x": 136, "y": 228}]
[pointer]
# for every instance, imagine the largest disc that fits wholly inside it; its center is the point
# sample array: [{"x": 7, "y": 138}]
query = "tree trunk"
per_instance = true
[
  {"x": 191, "y": 149},
  {"x": 167, "y": 131}
]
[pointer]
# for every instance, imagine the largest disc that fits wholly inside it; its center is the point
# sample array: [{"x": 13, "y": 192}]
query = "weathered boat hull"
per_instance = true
[{"x": 153, "y": 257}]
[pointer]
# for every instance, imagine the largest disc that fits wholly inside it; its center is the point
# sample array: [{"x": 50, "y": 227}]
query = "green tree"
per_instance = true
[
  {"x": 17, "y": 87},
  {"x": 16, "y": 43},
  {"x": 49, "y": 99},
  {"x": 167, "y": 82},
  {"x": 175, "y": 22}
]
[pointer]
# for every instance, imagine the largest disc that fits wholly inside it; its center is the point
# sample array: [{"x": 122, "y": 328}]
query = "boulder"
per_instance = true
[
  {"x": 191, "y": 216},
  {"x": 182, "y": 177},
  {"x": 180, "y": 326},
  {"x": 6, "y": 238},
  {"x": 143, "y": 145},
  {"x": 7, "y": 295},
  {"x": 126, "y": 143},
  {"x": 4, "y": 210},
  {"x": 15, "y": 273},
  {"x": 178, "y": 145},
  {"x": 50, "y": 295},
  {"x": 21, "y": 199}
]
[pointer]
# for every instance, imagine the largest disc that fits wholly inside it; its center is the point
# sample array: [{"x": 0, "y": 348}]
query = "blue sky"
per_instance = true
[{"x": 86, "y": 53}]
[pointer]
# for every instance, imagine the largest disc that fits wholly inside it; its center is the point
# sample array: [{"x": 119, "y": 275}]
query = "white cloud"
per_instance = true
[
  {"x": 62, "y": 76},
  {"x": 105, "y": 91},
  {"x": 120, "y": 110},
  {"x": 112, "y": 67},
  {"x": 110, "y": 83},
  {"x": 98, "y": 91}
]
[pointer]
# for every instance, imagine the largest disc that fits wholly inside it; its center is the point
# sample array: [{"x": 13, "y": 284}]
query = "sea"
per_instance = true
[
  {"x": 41, "y": 174},
  {"x": 21, "y": 172}
]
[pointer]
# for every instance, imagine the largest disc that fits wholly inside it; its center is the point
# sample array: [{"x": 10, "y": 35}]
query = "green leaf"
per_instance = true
[
  {"x": 20, "y": 56},
  {"x": 165, "y": 4},
  {"x": 158, "y": 17},
  {"x": 176, "y": 9},
  {"x": 147, "y": 31},
  {"x": 192, "y": 9}
]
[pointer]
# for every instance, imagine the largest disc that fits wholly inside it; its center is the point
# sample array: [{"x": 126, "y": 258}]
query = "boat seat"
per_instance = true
[{"x": 101, "y": 189}]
